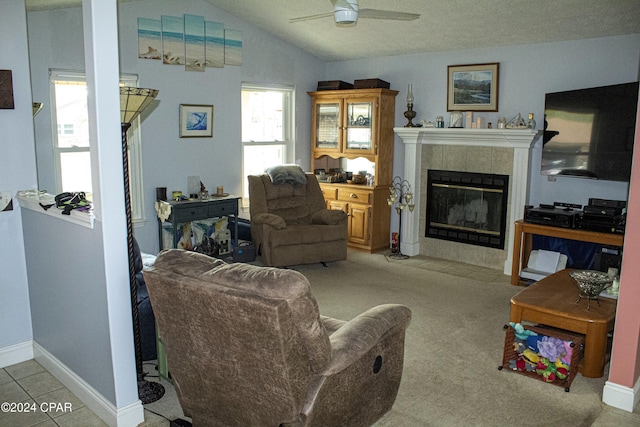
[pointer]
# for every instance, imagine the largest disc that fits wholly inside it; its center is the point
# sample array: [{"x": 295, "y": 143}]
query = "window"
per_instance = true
[
  {"x": 267, "y": 129},
  {"x": 65, "y": 129},
  {"x": 72, "y": 162}
]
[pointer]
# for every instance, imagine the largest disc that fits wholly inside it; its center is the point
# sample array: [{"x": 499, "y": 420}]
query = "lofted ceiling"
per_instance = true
[{"x": 443, "y": 24}]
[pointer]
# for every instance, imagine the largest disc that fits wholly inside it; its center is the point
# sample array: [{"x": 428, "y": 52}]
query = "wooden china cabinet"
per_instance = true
[{"x": 351, "y": 128}]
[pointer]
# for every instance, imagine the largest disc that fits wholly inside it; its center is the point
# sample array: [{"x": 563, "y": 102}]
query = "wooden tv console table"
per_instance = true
[{"x": 522, "y": 242}]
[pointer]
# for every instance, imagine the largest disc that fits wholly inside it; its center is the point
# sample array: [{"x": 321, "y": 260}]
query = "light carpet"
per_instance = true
[{"x": 453, "y": 346}]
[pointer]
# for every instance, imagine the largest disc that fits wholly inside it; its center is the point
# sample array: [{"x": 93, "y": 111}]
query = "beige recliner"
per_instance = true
[
  {"x": 290, "y": 223},
  {"x": 247, "y": 346}
]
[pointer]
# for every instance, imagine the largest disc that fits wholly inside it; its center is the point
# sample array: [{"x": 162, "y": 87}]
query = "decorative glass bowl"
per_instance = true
[{"x": 591, "y": 283}]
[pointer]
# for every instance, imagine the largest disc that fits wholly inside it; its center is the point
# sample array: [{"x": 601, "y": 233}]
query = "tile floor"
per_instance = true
[
  {"x": 51, "y": 404},
  {"x": 28, "y": 386}
]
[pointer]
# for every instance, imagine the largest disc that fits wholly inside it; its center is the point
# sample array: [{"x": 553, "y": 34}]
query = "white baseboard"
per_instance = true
[
  {"x": 130, "y": 415},
  {"x": 17, "y": 353},
  {"x": 507, "y": 267},
  {"x": 621, "y": 397}
]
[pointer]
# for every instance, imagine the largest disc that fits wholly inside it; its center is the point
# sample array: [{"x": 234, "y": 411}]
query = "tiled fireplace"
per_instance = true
[{"x": 489, "y": 152}]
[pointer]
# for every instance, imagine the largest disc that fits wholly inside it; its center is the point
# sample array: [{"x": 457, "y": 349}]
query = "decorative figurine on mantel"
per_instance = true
[
  {"x": 410, "y": 114},
  {"x": 517, "y": 123}
]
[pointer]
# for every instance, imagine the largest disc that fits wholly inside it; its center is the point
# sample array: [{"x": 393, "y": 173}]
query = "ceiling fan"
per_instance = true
[{"x": 347, "y": 12}]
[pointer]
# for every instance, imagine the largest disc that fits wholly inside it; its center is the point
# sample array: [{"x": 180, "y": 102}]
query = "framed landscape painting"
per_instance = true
[
  {"x": 196, "y": 121},
  {"x": 473, "y": 87}
]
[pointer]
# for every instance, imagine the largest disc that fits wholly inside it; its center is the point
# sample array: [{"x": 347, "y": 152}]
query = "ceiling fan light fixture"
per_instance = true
[{"x": 346, "y": 15}]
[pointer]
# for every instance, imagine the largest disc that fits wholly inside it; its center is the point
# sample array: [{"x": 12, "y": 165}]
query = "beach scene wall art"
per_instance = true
[
  {"x": 214, "y": 46},
  {"x": 149, "y": 38},
  {"x": 194, "y": 42},
  {"x": 189, "y": 40},
  {"x": 232, "y": 47},
  {"x": 173, "y": 40}
]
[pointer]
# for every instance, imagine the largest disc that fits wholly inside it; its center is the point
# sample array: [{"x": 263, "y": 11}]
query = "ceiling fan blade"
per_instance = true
[
  {"x": 310, "y": 17},
  {"x": 388, "y": 14},
  {"x": 344, "y": 4}
]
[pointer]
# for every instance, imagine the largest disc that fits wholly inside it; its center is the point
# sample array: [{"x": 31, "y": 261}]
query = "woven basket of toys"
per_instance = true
[{"x": 543, "y": 353}]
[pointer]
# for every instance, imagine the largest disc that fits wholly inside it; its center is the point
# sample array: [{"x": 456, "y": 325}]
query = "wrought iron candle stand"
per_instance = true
[{"x": 400, "y": 196}]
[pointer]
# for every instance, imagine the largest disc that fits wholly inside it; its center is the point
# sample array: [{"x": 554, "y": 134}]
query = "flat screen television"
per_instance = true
[{"x": 589, "y": 133}]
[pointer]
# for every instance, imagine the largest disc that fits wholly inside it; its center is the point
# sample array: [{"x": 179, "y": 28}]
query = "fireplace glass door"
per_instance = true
[{"x": 467, "y": 207}]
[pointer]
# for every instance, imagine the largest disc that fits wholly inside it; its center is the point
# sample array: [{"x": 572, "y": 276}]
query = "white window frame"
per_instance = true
[
  {"x": 134, "y": 141},
  {"x": 288, "y": 128}
]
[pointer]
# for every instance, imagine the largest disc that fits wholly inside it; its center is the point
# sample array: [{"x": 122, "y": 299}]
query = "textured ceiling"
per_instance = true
[{"x": 443, "y": 25}]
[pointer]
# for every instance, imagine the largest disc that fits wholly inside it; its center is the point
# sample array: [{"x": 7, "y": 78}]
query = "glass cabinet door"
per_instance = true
[
  {"x": 359, "y": 125},
  {"x": 327, "y": 125}
]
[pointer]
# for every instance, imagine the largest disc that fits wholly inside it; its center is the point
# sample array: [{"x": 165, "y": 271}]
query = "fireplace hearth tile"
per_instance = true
[
  {"x": 432, "y": 158},
  {"x": 454, "y": 158},
  {"x": 478, "y": 159},
  {"x": 502, "y": 160}
]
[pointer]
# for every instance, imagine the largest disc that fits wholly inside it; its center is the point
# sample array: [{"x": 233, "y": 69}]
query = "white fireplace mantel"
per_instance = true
[{"x": 521, "y": 140}]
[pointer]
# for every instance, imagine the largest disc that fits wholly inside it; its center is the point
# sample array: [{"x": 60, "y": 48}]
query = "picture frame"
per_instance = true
[
  {"x": 473, "y": 87},
  {"x": 6, "y": 90},
  {"x": 196, "y": 121}
]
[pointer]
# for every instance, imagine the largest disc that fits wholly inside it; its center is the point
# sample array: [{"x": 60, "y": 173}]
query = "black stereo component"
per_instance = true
[
  {"x": 602, "y": 223},
  {"x": 608, "y": 203},
  {"x": 566, "y": 205},
  {"x": 556, "y": 217},
  {"x": 602, "y": 210}
]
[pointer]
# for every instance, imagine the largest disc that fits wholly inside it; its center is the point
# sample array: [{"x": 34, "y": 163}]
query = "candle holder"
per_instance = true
[
  {"x": 400, "y": 196},
  {"x": 410, "y": 114}
]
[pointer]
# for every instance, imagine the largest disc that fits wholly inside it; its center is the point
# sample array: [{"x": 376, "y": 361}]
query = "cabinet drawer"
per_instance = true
[
  {"x": 222, "y": 209},
  {"x": 330, "y": 193},
  {"x": 335, "y": 205},
  {"x": 354, "y": 195},
  {"x": 190, "y": 213}
]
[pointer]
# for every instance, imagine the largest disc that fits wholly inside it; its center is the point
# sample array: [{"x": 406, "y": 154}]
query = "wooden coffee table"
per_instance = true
[{"x": 552, "y": 302}]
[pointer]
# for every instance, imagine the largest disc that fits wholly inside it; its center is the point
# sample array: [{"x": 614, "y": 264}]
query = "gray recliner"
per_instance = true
[{"x": 247, "y": 346}]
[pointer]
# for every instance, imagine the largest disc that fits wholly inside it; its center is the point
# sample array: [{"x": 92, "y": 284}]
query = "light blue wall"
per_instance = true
[
  {"x": 526, "y": 73},
  {"x": 17, "y": 172},
  {"x": 69, "y": 297}
]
